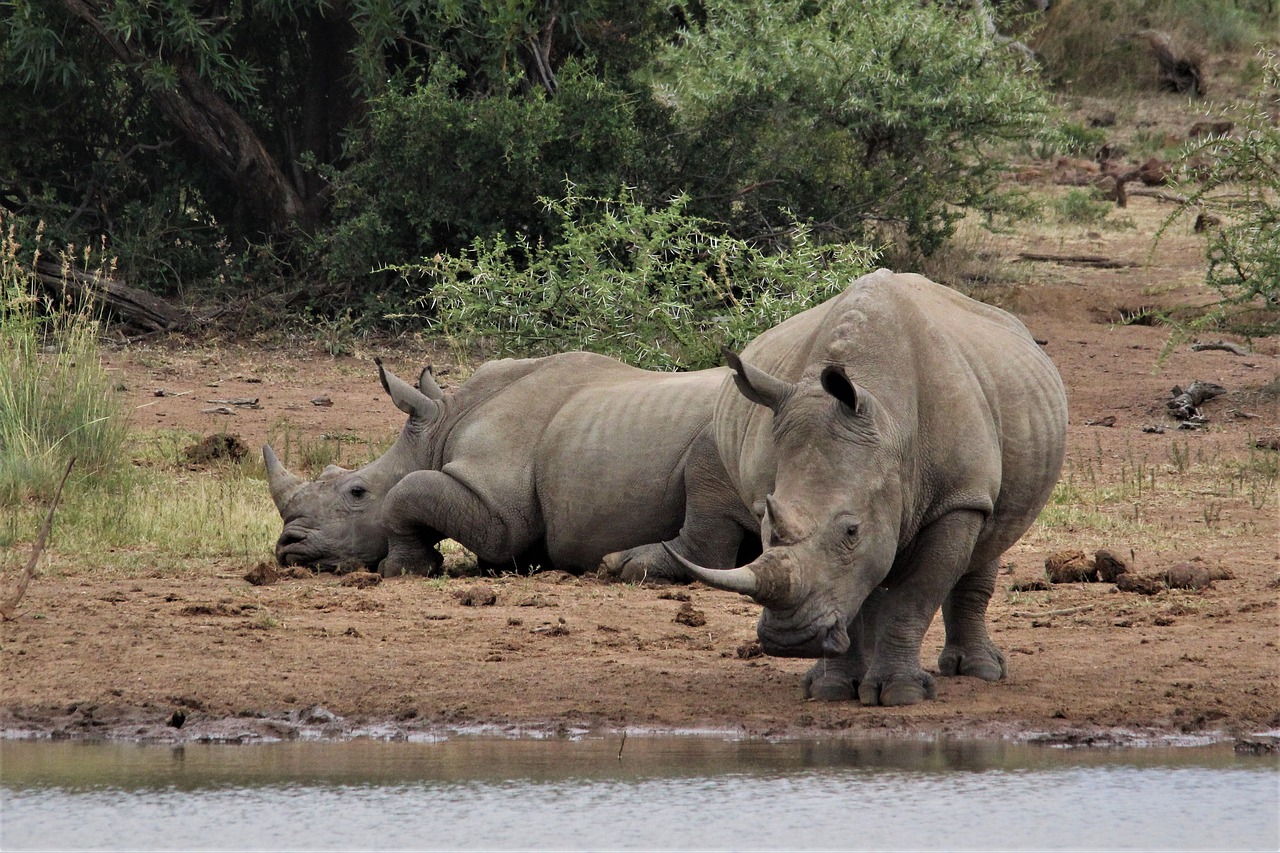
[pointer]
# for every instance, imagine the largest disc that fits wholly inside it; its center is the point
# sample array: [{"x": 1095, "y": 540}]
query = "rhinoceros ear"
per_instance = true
[
  {"x": 838, "y": 385},
  {"x": 408, "y": 399},
  {"x": 427, "y": 384},
  {"x": 755, "y": 384}
]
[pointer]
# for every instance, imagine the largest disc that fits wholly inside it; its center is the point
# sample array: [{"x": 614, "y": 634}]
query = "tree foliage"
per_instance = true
[
  {"x": 657, "y": 287},
  {"x": 219, "y": 141},
  {"x": 848, "y": 113},
  {"x": 1240, "y": 189}
]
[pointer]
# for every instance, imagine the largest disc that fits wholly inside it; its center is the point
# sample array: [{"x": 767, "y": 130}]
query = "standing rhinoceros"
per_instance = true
[
  {"x": 568, "y": 458},
  {"x": 896, "y": 440}
]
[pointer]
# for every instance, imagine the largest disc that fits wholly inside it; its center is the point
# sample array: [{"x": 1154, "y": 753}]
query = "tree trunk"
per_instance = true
[{"x": 217, "y": 131}]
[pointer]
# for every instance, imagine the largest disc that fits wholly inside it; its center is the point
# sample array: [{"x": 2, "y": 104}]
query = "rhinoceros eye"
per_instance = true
[
  {"x": 358, "y": 492},
  {"x": 851, "y": 529}
]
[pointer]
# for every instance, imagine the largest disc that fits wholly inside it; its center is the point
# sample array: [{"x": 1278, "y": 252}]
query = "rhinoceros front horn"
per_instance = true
[
  {"x": 283, "y": 483},
  {"x": 765, "y": 580}
]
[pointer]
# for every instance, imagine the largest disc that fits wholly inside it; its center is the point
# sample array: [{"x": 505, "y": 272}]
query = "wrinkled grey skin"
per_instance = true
[
  {"x": 561, "y": 461},
  {"x": 896, "y": 440}
]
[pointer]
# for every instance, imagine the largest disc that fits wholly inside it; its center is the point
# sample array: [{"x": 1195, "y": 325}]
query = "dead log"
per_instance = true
[
  {"x": 1185, "y": 405},
  {"x": 10, "y": 605},
  {"x": 129, "y": 305},
  {"x": 1160, "y": 195},
  {"x": 1225, "y": 346},
  {"x": 1083, "y": 260}
]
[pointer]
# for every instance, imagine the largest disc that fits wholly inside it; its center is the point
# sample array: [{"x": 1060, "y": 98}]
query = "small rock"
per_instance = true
[
  {"x": 476, "y": 595},
  {"x": 361, "y": 580},
  {"x": 1070, "y": 567},
  {"x": 747, "y": 651},
  {"x": 314, "y": 716},
  {"x": 1109, "y": 565},
  {"x": 321, "y": 401},
  {"x": 1260, "y": 745}
]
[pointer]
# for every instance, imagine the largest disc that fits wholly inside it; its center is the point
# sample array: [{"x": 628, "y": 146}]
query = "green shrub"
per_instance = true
[
  {"x": 1240, "y": 187},
  {"x": 439, "y": 169},
  {"x": 56, "y": 401},
  {"x": 1077, "y": 140},
  {"x": 860, "y": 115},
  {"x": 1082, "y": 207},
  {"x": 657, "y": 288}
]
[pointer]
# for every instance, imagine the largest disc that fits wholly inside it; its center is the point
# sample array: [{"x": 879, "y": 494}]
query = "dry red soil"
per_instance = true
[{"x": 101, "y": 655}]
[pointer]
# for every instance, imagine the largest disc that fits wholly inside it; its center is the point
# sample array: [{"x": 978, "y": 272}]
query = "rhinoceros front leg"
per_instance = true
[
  {"x": 969, "y": 649},
  {"x": 427, "y": 506},
  {"x": 715, "y": 523},
  {"x": 926, "y": 574}
]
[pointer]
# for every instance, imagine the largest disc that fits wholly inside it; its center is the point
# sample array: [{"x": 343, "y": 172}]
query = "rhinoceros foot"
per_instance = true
[
  {"x": 411, "y": 560},
  {"x": 645, "y": 564},
  {"x": 832, "y": 680},
  {"x": 898, "y": 688},
  {"x": 987, "y": 663}
]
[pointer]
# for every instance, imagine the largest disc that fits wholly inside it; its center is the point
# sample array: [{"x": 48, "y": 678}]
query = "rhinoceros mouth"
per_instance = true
[
  {"x": 294, "y": 548},
  {"x": 819, "y": 638}
]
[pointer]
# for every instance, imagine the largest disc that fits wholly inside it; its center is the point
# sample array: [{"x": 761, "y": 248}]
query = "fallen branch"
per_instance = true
[
  {"x": 1161, "y": 195},
  {"x": 8, "y": 607},
  {"x": 1226, "y": 346},
  {"x": 1083, "y": 260},
  {"x": 1185, "y": 405},
  {"x": 1066, "y": 611},
  {"x": 136, "y": 307}
]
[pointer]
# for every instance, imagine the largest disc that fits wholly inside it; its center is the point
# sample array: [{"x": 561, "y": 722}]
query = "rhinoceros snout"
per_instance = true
[
  {"x": 291, "y": 548},
  {"x": 828, "y": 638}
]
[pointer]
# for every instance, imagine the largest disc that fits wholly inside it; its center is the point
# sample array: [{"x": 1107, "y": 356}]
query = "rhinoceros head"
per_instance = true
[
  {"x": 830, "y": 528},
  {"x": 335, "y": 521}
]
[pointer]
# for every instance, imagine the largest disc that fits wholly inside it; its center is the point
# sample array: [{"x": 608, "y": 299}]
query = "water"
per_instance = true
[{"x": 641, "y": 793}]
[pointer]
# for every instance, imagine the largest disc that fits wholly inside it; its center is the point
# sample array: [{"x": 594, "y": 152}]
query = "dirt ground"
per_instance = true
[{"x": 212, "y": 656}]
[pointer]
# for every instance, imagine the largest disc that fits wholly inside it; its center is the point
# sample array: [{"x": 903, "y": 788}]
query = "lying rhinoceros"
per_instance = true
[
  {"x": 565, "y": 458},
  {"x": 896, "y": 440}
]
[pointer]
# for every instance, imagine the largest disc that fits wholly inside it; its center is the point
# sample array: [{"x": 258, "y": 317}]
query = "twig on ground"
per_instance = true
[
  {"x": 8, "y": 607},
  {"x": 1066, "y": 611},
  {"x": 1226, "y": 346}
]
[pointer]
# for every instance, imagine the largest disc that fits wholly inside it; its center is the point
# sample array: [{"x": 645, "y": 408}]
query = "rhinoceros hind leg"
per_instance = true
[
  {"x": 969, "y": 649},
  {"x": 987, "y": 664}
]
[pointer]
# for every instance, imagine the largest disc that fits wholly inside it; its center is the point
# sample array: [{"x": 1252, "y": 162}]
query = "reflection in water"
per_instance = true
[{"x": 665, "y": 792}]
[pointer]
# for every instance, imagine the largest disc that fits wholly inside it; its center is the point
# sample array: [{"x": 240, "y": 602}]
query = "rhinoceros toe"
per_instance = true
[
  {"x": 645, "y": 564},
  {"x": 833, "y": 679},
  {"x": 898, "y": 689},
  {"x": 987, "y": 664}
]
